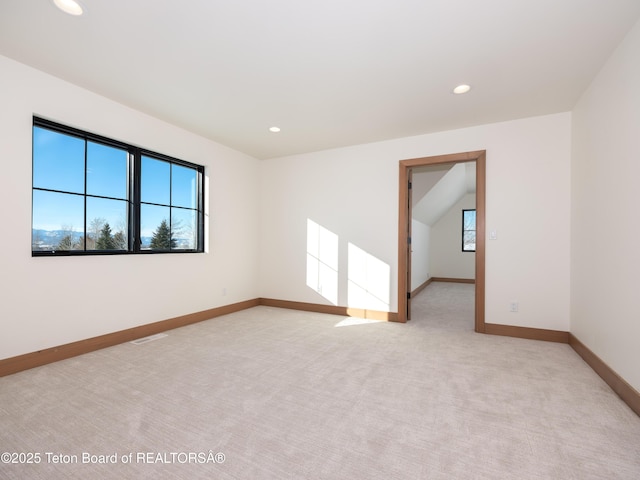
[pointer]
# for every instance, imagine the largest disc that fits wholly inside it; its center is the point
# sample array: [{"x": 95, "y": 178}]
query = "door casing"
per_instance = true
[{"x": 404, "y": 229}]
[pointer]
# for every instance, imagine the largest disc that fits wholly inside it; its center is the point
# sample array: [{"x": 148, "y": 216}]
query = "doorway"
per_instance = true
[{"x": 404, "y": 230}]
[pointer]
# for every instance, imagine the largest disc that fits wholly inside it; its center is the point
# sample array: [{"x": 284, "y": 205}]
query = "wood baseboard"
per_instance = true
[
  {"x": 453, "y": 280},
  {"x": 626, "y": 392},
  {"x": 527, "y": 332},
  {"x": 331, "y": 309},
  {"x": 54, "y": 354},
  {"x": 441, "y": 279},
  {"x": 19, "y": 363},
  {"x": 421, "y": 287}
]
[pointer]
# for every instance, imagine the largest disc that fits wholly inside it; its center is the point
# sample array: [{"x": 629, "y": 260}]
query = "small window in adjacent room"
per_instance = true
[
  {"x": 93, "y": 195},
  {"x": 468, "y": 230}
]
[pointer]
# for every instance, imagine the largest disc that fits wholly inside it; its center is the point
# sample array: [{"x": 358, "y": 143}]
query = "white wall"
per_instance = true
[
  {"x": 257, "y": 215},
  {"x": 445, "y": 253},
  {"x": 354, "y": 193},
  {"x": 420, "y": 244},
  {"x": 605, "y": 229},
  {"x": 46, "y": 302}
]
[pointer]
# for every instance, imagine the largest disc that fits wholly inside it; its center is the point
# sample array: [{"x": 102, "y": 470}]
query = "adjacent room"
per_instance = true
[{"x": 319, "y": 240}]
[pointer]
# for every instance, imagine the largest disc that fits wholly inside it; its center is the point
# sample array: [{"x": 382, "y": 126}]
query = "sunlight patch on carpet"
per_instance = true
[{"x": 350, "y": 321}]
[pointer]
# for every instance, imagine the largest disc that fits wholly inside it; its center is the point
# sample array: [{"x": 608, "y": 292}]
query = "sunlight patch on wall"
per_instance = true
[
  {"x": 369, "y": 285},
  {"x": 322, "y": 261}
]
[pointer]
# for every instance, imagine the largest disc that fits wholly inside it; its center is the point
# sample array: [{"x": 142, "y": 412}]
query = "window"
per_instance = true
[
  {"x": 468, "y": 230},
  {"x": 93, "y": 195}
]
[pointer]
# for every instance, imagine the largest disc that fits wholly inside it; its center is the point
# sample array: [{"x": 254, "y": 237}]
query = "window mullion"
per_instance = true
[
  {"x": 84, "y": 247},
  {"x": 200, "y": 200},
  {"x": 170, "y": 205},
  {"x": 134, "y": 225}
]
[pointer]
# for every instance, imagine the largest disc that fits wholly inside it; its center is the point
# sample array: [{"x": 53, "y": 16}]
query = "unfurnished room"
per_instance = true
[{"x": 319, "y": 240}]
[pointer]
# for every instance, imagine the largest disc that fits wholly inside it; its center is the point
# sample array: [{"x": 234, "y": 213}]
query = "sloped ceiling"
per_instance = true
[
  {"x": 443, "y": 187},
  {"x": 330, "y": 73}
]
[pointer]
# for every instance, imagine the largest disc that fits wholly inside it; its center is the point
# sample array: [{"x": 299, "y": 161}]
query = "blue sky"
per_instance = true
[{"x": 58, "y": 164}]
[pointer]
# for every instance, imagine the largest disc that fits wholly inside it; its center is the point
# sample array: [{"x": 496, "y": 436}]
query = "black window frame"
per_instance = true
[
  {"x": 134, "y": 183},
  {"x": 464, "y": 210}
]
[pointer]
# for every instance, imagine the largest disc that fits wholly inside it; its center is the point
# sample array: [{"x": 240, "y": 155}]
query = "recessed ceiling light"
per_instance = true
[
  {"x": 274, "y": 129},
  {"x": 460, "y": 89},
  {"x": 69, "y": 6}
]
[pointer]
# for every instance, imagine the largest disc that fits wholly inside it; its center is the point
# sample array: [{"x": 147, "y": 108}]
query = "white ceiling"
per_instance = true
[{"x": 330, "y": 73}]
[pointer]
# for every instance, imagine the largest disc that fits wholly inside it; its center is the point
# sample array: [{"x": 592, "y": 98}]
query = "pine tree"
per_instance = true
[
  {"x": 120, "y": 241},
  {"x": 162, "y": 238},
  {"x": 66, "y": 243},
  {"x": 105, "y": 240}
]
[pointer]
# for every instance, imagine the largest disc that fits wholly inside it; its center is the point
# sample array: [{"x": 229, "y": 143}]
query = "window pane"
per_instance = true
[
  {"x": 469, "y": 241},
  {"x": 58, "y": 221},
  {"x": 469, "y": 219},
  {"x": 154, "y": 227},
  {"x": 107, "y": 169},
  {"x": 58, "y": 161},
  {"x": 156, "y": 181},
  {"x": 184, "y": 226},
  {"x": 107, "y": 224},
  {"x": 183, "y": 187}
]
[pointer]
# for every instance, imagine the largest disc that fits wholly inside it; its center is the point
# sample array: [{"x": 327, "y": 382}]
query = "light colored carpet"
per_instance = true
[{"x": 293, "y": 395}]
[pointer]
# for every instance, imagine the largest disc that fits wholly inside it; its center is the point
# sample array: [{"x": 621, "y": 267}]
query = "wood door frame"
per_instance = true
[{"x": 478, "y": 156}]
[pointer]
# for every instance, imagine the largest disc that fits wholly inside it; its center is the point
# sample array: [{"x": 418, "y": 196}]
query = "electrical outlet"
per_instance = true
[
  {"x": 513, "y": 306},
  {"x": 224, "y": 291}
]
